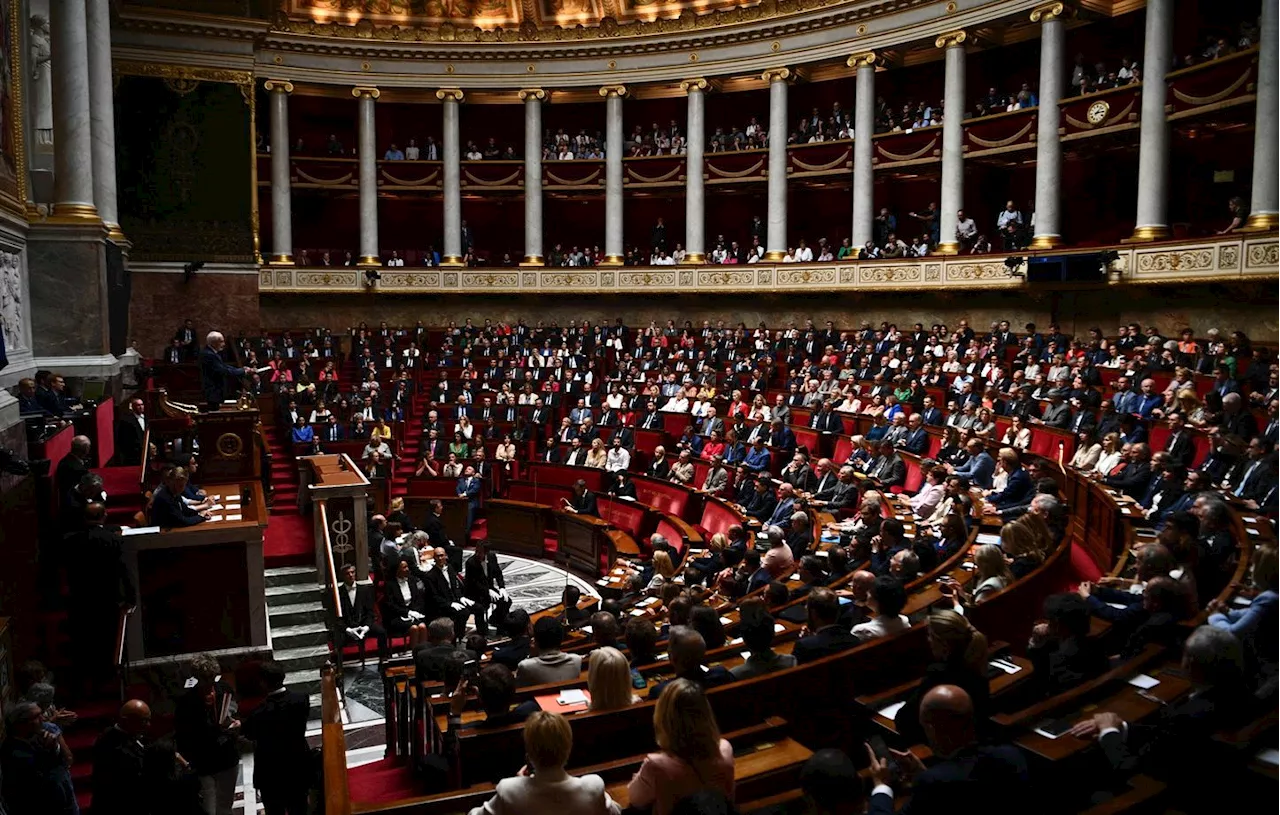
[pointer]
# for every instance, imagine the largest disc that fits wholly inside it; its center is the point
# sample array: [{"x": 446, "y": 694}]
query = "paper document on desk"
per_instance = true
[
  {"x": 890, "y": 712},
  {"x": 1144, "y": 681},
  {"x": 233, "y": 517},
  {"x": 988, "y": 537},
  {"x": 573, "y": 696},
  {"x": 1008, "y": 667},
  {"x": 138, "y": 530}
]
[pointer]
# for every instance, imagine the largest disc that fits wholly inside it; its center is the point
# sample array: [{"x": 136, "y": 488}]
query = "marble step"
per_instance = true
[
  {"x": 291, "y": 575},
  {"x": 304, "y": 681},
  {"x": 309, "y": 657},
  {"x": 298, "y": 636},
  {"x": 295, "y": 614},
  {"x": 293, "y": 592}
]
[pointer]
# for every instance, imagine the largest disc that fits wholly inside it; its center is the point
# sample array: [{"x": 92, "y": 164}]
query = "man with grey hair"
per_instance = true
[
  {"x": 35, "y": 763},
  {"x": 687, "y": 650},
  {"x": 1215, "y": 544},
  {"x": 214, "y": 371},
  {"x": 1236, "y": 419},
  {"x": 800, "y": 537},
  {"x": 777, "y": 560}
]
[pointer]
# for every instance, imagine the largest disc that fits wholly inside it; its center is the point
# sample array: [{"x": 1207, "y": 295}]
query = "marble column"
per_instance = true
[
  {"x": 613, "y": 251},
  {"x": 72, "y": 128},
  {"x": 1265, "y": 198},
  {"x": 281, "y": 192},
  {"x": 953, "y": 104},
  {"x": 533, "y": 99},
  {"x": 1053, "y": 73},
  {"x": 452, "y": 154},
  {"x": 695, "y": 226},
  {"x": 370, "y": 252},
  {"x": 102, "y": 116},
  {"x": 776, "y": 235},
  {"x": 1153, "y": 147},
  {"x": 864, "y": 127}
]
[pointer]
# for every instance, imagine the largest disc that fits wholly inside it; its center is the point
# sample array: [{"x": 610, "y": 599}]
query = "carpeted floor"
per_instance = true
[
  {"x": 382, "y": 781},
  {"x": 288, "y": 541}
]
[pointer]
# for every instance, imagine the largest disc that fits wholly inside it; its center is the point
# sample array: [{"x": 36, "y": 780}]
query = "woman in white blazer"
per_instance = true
[{"x": 543, "y": 787}]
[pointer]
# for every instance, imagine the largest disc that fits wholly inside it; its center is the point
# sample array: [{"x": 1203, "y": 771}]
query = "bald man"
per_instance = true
[
  {"x": 965, "y": 771},
  {"x": 117, "y": 762},
  {"x": 214, "y": 371}
]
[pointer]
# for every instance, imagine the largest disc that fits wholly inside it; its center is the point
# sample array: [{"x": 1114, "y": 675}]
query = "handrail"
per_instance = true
[
  {"x": 333, "y": 748},
  {"x": 146, "y": 458},
  {"x": 122, "y": 655},
  {"x": 330, "y": 572}
]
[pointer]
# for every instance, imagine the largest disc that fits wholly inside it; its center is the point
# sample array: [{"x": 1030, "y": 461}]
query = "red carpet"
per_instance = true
[
  {"x": 381, "y": 782},
  {"x": 288, "y": 541}
]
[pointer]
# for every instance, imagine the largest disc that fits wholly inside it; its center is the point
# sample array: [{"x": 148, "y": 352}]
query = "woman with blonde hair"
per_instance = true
[
  {"x": 542, "y": 785},
  {"x": 692, "y": 755},
  {"x": 609, "y": 680},
  {"x": 1188, "y": 403},
  {"x": 991, "y": 575},
  {"x": 1112, "y": 454},
  {"x": 1018, "y": 542},
  {"x": 959, "y": 658},
  {"x": 663, "y": 570},
  {"x": 596, "y": 456}
]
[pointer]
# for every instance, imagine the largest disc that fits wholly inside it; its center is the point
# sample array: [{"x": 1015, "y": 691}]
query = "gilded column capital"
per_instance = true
[
  {"x": 777, "y": 74},
  {"x": 951, "y": 39},
  {"x": 867, "y": 58},
  {"x": 697, "y": 83},
  {"x": 278, "y": 85},
  {"x": 372, "y": 93},
  {"x": 1047, "y": 12},
  {"x": 455, "y": 94},
  {"x": 526, "y": 94},
  {"x": 613, "y": 90}
]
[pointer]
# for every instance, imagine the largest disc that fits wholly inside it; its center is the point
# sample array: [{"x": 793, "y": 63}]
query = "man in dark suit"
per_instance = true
[
  {"x": 359, "y": 621},
  {"x": 100, "y": 586},
  {"x": 131, "y": 432},
  {"x": 828, "y": 637},
  {"x": 214, "y": 371},
  {"x": 1254, "y": 474},
  {"x": 687, "y": 649},
  {"x": 429, "y": 659},
  {"x": 930, "y": 413},
  {"x": 1060, "y": 648},
  {"x": 964, "y": 769},
  {"x": 980, "y": 468},
  {"x": 168, "y": 510},
  {"x": 74, "y": 465},
  {"x": 334, "y": 431},
  {"x": 469, "y": 488},
  {"x": 277, "y": 727},
  {"x": 485, "y": 586},
  {"x": 1019, "y": 488},
  {"x": 916, "y": 439},
  {"x": 583, "y": 501},
  {"x": 888, "y": 469},
  {"x": 826, "y": 420},
  {"x": 445, "y": 594},
  {"x": 516, "y": 649},
  {"x": 1134, "y": 479},
  {"x": 118, "y": 788},
  {"x": 1179, "y": 446}
]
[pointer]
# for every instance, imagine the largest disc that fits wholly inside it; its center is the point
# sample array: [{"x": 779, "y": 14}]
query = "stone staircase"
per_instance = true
[{"x": 296, "y": 619}]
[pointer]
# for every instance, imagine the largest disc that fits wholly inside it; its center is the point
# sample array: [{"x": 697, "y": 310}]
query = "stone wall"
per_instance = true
[{"x": 162, "y": 298}]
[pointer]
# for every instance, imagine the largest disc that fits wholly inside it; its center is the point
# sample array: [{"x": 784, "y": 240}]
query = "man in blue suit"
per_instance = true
[
  {"x": 980, "y": 467},
  {"x": 1018, "y": 489},
  {"x": 758, "y": 458},
  {"x": 930, "y": 413},
  {"x": 214, "y": 371},
  {"x": 916, "y": 439},
  {"x": 469, "y": 488},
  {"x": 786, "y": 507},
  {"x": 781, "y": 438}
]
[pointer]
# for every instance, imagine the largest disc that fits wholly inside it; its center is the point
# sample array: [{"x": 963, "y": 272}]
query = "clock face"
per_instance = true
[{"x": 1098, "y": 112}]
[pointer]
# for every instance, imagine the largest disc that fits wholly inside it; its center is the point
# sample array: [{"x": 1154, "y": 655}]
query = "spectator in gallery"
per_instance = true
[
  {"x": 334, "y": 147},
  {"x": 1009, "y": 224},
  {"x": 393, "y": 153},
  {"x": 966, "y": 230},
  {"x": 411, "y": 152},
  {"x": 1238, "y": 213}
]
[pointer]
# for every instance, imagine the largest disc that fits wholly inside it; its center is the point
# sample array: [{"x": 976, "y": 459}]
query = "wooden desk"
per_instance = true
[
  {"x": 200, "y": 588},
  {"x": 336, "y": 480},
  {"x": 517, "y": 527},
  {"x": 585, "y": 541}
]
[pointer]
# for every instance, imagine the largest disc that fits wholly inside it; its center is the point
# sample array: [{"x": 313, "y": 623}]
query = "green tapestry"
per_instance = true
[{"x": 183, "y": 158}]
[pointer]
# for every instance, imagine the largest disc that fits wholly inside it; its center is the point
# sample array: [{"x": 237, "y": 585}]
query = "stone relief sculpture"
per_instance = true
[
  {"x": 41, "y": 82},
  {"x": 11, "y": 300}
]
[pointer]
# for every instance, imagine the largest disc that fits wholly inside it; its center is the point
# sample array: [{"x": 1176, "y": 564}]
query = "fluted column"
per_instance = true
[
  {"x": 695, "y": 234},
  {"x": 864, "y": 127},
  {"x": 533, "y": 99},
  {"x": 776, "y": 237},
  {"x": 953, "y": 104},
  {"x": 281, "y": 192},
  {"x": 72, "y": 127},
  {"x": 1265, "y": 197},
  {"x": 452, "y": 154},
  {"x": 613, "y": 251},
  {"x": 1153, "y": 147},
  {"x": 370, "y": 252},
  {"x": 102, "y": 115},
  {"x": 1048, "y": 232}
]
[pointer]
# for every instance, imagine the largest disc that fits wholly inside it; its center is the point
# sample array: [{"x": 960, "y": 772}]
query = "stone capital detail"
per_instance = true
[
  {"x": 951, "y": 39},
  {"x": 372, "y": 93},
  {"x": 777, "y": 74},
  {"x": 526, "y": 94},
  {"x": 1048, "y": 12},
  {"x": 867, "y": 58},
  {"x": 613, "y": 90},
  {"x": 445, "y": 94},
  {"x": 698, "y": 83},
  {"x": 278, "y": 85}
]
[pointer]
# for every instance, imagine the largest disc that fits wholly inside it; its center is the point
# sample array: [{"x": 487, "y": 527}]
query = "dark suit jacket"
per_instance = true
[
  {"x": 762, "y": 505},
  {"x": 168, "y": 510},
  {"x": 826, "y": 422},
  {"x": 891, "y": 472},
  {"x": 1181, "y": 451},
  {"x": 129, "y": 438},
  {"x": 394, "y": 606},
  {"x": 512, "y": 653},
  {"x": 278, "y": 729},
  {"x": 708, "y": 678},
  {"x": 917, "y": 441},
  {"x": 1132, "y": 480},
  {"x": 362, "y": 612},
  {"x": 117, "y": 774},
  {"x": 825, "y": 641},
  {"x": 587, "y": 504},
  {"x": 1060, "y": 666},
  {"x": 997, "y": 774},
  {"x": 429, "y": 660},
  {"x": 1018, "y": 490},
  {"x": 213, "y": 376},
  {"x": 478, "y": 583},
  {"x": 70, "y": 471}
]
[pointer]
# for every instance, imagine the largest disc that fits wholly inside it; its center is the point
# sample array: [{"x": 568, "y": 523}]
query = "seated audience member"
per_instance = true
[
  {"x": 885, "y": 603},
  {"x": 706, "y": 621},
  {"x": 642, "y": 646},
  {"x": 404, "y": 602},
  {"x": 609, "y": 680},
  {"x": 990, "y": 575},
  {"x": 1060, "y": 648},
  {"x": 569, "y": 600},
  {"x": 961, "y": 768},
  {"x": 831, "y": 785},
  {"x": 35, "y": 762},
  {"x": 756, "y": 629},
  {"x": 1018, "y": 486},
  {"x": 543, "y": 785},
  {"x": 359, "y": 620},
  {"x": 548, "y": 663},
  {"x": 959, "y": 658},
  {"x": 168, "y": 510},
  {"x": 826, "y": 636},
  {"x": 429, "y": 659},
  {"x": 516, "y": 649},
  {"x": 1018, "y": 544},
  {"x": 1255, "y": 624},
  {"x": 778, "y": 560},
  {"x": 691, "y": 756},
  {"x": 687, "y": 650}
]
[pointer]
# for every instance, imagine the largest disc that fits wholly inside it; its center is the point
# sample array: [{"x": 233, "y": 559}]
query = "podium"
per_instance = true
[
  {"x": 585, "y": 541},
  {"x": 516, "y": 527},
  {"x": 336, "y": 482}
]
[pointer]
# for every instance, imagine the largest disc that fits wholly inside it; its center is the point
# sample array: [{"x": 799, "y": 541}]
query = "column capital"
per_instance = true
[
  {"x": 278, "y": 85},
  {"x": 777, "y": 74},
  {"x": 445, "y": 94},
  {"x": 867, "y": 58},
  {"x": 695, "y": 84},
  {"x": 951, "y": 39},
  {"x": 526, "y": 94},
  {"x": 1048, "y": 12},
  {"x": 613, "y": 90},
  {"x": 372, "y": 93}
]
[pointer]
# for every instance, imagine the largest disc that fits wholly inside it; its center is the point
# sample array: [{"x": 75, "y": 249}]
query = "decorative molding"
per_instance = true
[
  {"x": 282, "y": 85},
  {"x": 455, "y": 94},
  {"x": 951, "y": 38},
  {"x": 196, "y": 73},
  {"x": 1047, "y": 12},
  {"x": 525, "y": 94},
  {"x": 777, "y": 74},
  {"x": 698, "y": 83},
  {"x": 613, "y": 90},
  {"x": 360, "y": 92},
  {"x": 866, "y": 58}
]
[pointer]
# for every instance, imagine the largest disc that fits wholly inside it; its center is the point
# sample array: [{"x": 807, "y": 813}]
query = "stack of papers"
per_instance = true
[
  {"x": 987, "y": 537},
  {"x": 890, "y": 712},
  {"x": 573, "y": 696},
  {"x": 1144, "y": 682},
  {"x": 1006, "y": 666}
]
